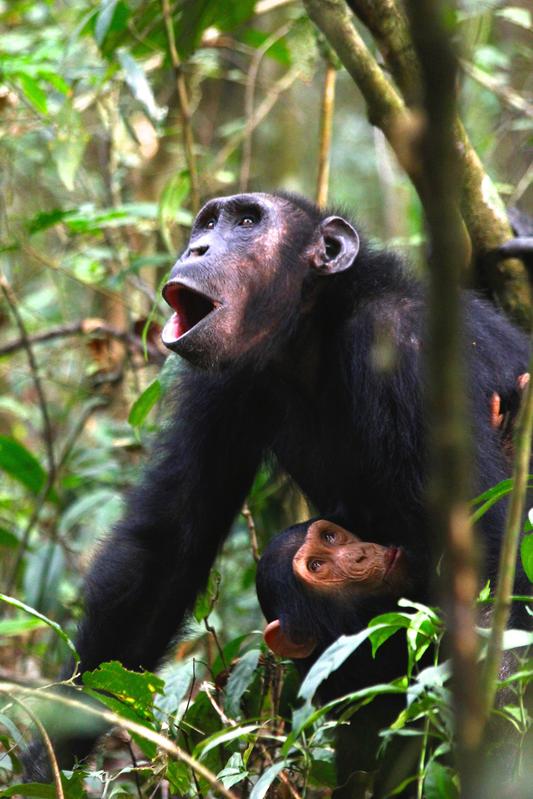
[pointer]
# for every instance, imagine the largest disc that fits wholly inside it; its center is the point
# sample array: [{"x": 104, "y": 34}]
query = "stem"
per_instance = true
[
  {"x": 185, "y": 108},
  {"x": 511, "y": 538},
  {"x": 47, "y": 744},
  {"x": 132, "y": 726},
  {"x": 326, "y": 127},
  {"x": 48, "y": 436}
]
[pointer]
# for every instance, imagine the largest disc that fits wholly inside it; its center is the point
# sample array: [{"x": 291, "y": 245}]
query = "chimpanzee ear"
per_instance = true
[
  {"x": 281, "y": 644},
  {"x": 337, "y": 247}
]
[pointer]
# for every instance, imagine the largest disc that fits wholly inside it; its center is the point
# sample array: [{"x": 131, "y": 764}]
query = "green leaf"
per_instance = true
[
  {"x": 223, "y": 737},
  {"x": 33, "y": 93},
  {"x": 526, "y": 554},
  {"x": 205, "y": 600},
  {"x": 233, "y": 772},
  {"x": 7, "y": 538},
  {"x": 144, "y": 404},
  {"x": 488, "y": 498},
  {"x": 16, "y": 603},
  {"x": 19, "y": 462},
  {"x": 171, "y": 202},
  {"x": 135, "y": 689},
  {"x": 439, "y": 782},
  {"x": 267, "y": 778},
  {"x": 103, "y": 20},
  {"x": 72, "y": 788},
  {"x": 19, "y": 625},
  {"x": 330, "y": 660},
  {"x": 484, "y": 594},
  {"x": 136, "y": 79},
  {"x": 67, "y": 151},
  {"x": 240, "y": 678}
]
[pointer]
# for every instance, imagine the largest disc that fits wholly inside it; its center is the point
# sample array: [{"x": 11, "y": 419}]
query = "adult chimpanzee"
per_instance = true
[{"x": 277, "y": 308}]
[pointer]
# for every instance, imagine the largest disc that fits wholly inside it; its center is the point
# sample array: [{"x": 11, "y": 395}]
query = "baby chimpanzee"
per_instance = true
[{"x": 317, "y": 581}]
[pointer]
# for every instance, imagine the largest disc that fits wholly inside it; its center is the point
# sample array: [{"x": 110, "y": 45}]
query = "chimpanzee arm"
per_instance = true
[{"x": 148, "y": 574}]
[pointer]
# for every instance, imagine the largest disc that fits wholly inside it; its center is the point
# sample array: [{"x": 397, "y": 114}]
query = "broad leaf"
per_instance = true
[{"x": 20, "y": 464}]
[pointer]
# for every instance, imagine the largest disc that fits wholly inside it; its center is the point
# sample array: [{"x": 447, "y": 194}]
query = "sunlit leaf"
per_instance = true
[{"x": 33, "y": 93}]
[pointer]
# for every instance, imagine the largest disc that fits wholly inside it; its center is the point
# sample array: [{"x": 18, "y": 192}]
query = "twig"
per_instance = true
[
  {"x": 252, "y": 530},
  {"x": 48, "y": 437},
  {"x": 511, "y": 538},
  {"x": 510, "y": 98},
  {"x": 185, "y": 111},
  {"x": 262, "y": 110},
  {"x": 84, "y": 327},
  {"x": 132, "y": 726},
  {"x": 326, "y": 127},
  {"x": 251, "y": 82},
  {"x": 46, "y": 739},
  {"x": 135, "y": 767},
  {"x": 264, "y": 6},
  {"x": 449, "y": 444}
]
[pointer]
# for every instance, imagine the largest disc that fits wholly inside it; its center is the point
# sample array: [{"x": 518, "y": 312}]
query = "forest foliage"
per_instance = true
[{"x": 117, "y": 118}]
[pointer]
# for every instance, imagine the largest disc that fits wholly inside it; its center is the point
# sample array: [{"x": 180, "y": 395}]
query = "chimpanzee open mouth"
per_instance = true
[
  {"x": 393, "y": 557},
  {"x": 190, "y": 307}
]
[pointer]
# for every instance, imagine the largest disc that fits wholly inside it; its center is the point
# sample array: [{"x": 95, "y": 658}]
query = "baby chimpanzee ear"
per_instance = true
[
  {"x": 282, "y": 645},
  {"x": 337, "y": 247}
]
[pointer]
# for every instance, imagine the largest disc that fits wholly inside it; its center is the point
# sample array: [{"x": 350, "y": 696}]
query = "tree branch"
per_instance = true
[
  {"x": 482, "y": 209},
  {"x": 449, "y": 441},
  {"x": 84, "y": 327}
]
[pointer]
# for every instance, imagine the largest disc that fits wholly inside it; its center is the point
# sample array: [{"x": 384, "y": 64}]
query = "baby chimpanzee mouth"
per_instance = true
[{"x": 190, "y": 307}]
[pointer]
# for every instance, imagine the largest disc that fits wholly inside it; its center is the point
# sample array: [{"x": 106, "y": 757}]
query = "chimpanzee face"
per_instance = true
[{"x": 239, "y": 283}]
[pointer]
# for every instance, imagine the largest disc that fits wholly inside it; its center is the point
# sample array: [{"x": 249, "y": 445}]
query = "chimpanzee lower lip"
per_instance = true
[
  {"x": 393, "y": 556},
  {"x": 191, "y": 307}
]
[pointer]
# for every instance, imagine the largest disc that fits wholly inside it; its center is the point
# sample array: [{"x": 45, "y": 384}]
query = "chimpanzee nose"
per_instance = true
[{"x": 197, "y": 250}]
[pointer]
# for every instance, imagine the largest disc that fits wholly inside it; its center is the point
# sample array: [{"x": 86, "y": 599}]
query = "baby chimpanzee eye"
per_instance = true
[
  {"x": 314, "y": 565},
  {"x": 329, "y": 537}
]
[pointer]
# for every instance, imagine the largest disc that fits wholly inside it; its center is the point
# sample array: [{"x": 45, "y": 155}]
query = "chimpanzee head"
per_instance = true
[
  {"x": 251, "y": 271},
  {"x": 317, "y": 581}
]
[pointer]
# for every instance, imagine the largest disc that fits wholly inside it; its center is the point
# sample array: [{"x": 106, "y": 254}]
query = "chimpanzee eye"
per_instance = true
[
  {"x": 247, "y": 221},
  {"x": 314, "y": 565},
  {"x": 329, "y": 537},
  {"x": 210, "y": 224}
]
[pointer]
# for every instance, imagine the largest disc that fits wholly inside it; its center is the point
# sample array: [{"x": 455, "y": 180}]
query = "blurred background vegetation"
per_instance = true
[{"x": 116, "y": 118}]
